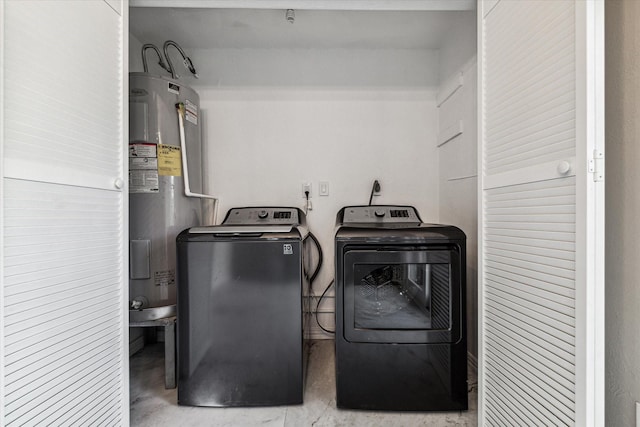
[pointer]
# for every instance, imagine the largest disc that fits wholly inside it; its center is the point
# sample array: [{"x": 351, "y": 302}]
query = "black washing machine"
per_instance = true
[
  {"x": 242, "y": 315},
  {"x": 400, "y": 311}
]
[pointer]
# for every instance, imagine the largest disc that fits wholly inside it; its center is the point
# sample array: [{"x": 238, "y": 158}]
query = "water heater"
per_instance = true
[{"x": 159, "y": 208}]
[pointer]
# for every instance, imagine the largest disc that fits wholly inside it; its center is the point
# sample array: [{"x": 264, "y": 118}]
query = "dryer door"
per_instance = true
[{"x": 408, "y": 295}]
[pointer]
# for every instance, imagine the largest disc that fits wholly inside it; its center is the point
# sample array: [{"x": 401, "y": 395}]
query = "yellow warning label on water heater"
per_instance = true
[{"x": 169, "y": 160}]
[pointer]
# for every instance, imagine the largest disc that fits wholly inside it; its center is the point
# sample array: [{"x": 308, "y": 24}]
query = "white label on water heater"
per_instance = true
[
  {"x": 145, "y": 163},
  {"x": 191, "y": 112},
  {"x": 143, "y": 181},
  {"x": 142, "y": 149},
  {"x": 164, "y": 277},
  {"x": 143, "y": 168}
]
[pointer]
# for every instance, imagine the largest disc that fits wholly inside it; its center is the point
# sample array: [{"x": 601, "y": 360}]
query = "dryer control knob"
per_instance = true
[
  {"x": 263, "y": 214},
  {"x": 379, "y": 213}
]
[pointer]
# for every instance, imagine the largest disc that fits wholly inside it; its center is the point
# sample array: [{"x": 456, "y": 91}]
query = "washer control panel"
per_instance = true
[
  {"x": 263, "y": 215},
  {"x": 384, "y": 214}
]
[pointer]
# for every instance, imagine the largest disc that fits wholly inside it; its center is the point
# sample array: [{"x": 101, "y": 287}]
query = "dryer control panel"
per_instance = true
[
  {"x": 380, "y": 214},
  {"x": 263, "y": 216}
]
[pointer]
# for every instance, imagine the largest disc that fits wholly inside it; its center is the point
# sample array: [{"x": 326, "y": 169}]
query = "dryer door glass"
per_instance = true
[{"x": 402, "y": 296}]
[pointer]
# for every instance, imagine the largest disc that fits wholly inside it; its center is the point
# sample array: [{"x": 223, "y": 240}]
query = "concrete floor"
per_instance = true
[{"x": 152, "y": 405}]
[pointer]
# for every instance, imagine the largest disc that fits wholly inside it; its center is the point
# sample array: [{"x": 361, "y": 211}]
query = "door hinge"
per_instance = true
[{"x": 596, "y": 165}]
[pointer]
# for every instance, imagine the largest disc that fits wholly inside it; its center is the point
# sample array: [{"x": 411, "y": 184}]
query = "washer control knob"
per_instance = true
[
  {"x": 263, "y": 214},
  {"x": 379, "y": 213}
]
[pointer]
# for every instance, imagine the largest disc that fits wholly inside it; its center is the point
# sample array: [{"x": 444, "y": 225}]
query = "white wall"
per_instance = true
[
  {"x": 458, "y": 155},
  {"x": 135, "y": 55},
  {"x": 300, "y": 68},
  {"x": 623, "y": 204},
  {"x": 264, "y": 143},
  {"x": 458, "y": 182},
  {"x": 459, "y": 45}
]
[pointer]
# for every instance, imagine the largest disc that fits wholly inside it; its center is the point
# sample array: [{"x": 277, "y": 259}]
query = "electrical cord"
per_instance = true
[
  {"x": 320, "y": 257},
  {"x": 313, "y": 277},
  {"x": 374, "y": 189},
  {"x": 307, "y": 205},
  {"x": 318, "y": 307}
]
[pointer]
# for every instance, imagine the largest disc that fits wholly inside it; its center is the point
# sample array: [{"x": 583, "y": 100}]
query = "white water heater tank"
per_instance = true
[{"x": 158, "y": 207}]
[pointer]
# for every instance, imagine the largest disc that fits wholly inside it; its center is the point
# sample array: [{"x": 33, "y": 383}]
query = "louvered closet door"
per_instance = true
[
  {"x": 63, "y": 295},
  {"x": 541, "y": 213}
]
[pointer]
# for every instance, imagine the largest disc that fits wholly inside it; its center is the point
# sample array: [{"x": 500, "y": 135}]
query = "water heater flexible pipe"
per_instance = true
[
  {"x": 144, "y": 57},
  {"x": 186, "y": 60},
  {"x": 183, "y": 149}
]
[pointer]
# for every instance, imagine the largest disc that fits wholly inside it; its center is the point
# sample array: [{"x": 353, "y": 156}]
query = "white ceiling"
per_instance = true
[{"x": 197, "y": 28}]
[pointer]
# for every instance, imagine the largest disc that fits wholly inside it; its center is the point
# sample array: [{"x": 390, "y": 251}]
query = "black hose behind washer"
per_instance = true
[
  {"x": 318, "y": 307},
  {"x": 320, "y": 257},
  {"x": 313, "y": 277}
]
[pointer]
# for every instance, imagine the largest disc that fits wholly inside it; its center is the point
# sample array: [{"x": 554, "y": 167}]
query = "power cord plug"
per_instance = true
[{"x": 308, "y": 205}]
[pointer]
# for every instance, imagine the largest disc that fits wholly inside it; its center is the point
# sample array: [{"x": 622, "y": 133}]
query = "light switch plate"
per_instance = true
[{"x": 323, "y": 188}]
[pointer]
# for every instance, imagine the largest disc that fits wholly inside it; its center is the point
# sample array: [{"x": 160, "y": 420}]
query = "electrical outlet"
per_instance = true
[
  {"x": 306, "y": 187},
  {"x": 323, "y": 188}
]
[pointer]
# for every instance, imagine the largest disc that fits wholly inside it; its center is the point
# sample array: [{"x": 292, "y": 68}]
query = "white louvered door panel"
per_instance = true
[
  {"x": 62, "y": 59},
  {"x": 62, "y": 304},
  {"x": 63, "y": 293},
  {"x": 541, "y": 240}
]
